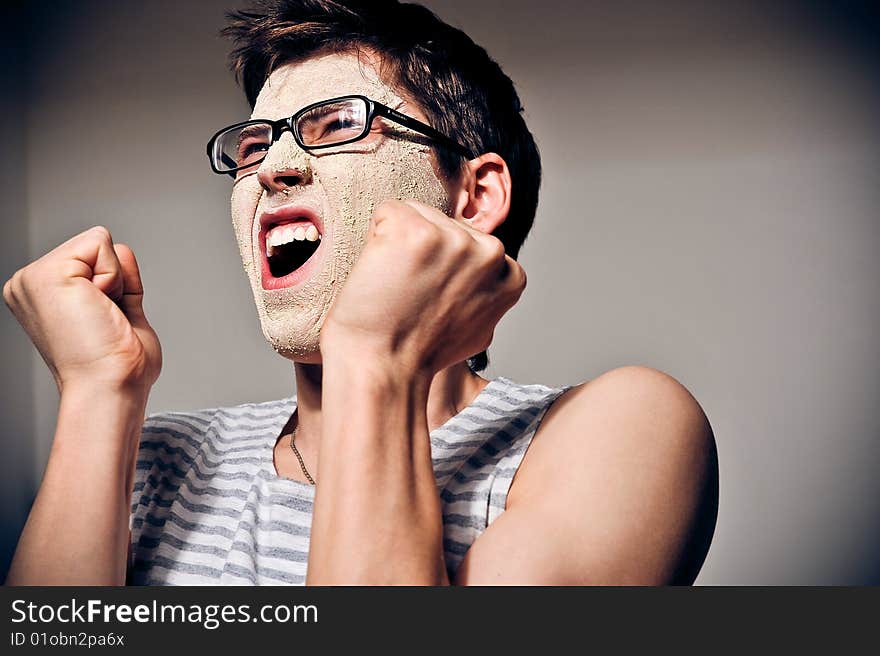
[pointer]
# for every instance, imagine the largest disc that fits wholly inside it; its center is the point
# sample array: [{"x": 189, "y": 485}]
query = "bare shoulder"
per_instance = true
[
  {"x": 629, "y": 416},
  {"x": 622, "y": 477}
]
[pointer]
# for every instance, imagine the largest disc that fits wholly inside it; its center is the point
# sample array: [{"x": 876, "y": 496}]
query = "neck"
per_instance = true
[{"x": 452, "y": 390}]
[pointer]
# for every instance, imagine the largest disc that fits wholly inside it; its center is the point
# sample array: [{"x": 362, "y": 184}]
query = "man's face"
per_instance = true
[{"x": 336, "y": 190}]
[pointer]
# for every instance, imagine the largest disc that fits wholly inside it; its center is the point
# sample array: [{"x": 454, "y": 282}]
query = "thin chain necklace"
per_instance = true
[{"x": 298, "y": 456}]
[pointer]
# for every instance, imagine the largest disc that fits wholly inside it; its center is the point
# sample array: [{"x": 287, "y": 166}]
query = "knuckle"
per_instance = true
[
  {"x": 101, "y": 232},
  {"x": 16, "y": 282},
  {"x": 490, "y": 252},
  {"x": 385, "y": 216},
  {"x": 16, "y": 289},
  {"x": 386, "y": 210},
  {"x": 495, "y": 247},
  {"x": 460, "y": 242},
  {"x": 422, "y": 233},
  {"x": 521, "y": 277},
  {"x": 70, "y": 269},
  {"x": 7, "y": 292}
]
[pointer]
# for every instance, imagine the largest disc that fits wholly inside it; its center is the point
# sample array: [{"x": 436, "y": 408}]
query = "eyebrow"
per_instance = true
[{"x": 250, "y": 130}]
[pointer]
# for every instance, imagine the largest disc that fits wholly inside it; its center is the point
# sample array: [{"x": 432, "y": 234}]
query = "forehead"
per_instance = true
[{"x": 294, "y": 85}]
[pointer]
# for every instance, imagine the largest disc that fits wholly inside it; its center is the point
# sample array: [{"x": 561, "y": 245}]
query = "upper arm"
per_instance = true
[{"x": 618, "y": 487}]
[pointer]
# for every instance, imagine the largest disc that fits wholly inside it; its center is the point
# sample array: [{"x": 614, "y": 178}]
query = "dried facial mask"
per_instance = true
[{"x": 342, "y": 186}]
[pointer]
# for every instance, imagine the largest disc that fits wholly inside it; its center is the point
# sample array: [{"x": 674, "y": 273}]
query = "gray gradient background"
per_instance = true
[{"x": 709, "y": 208}]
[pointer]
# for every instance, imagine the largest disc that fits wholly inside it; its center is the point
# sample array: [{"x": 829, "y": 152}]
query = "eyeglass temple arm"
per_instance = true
[{"x": 418, "y": 126}]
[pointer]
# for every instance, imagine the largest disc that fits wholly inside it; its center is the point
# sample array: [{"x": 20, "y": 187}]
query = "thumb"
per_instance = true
[{"x": 131, "y": 302}]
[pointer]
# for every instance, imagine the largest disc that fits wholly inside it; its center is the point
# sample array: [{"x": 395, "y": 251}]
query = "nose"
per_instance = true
[
  {"x": 279, "y": 179},
  {"x": 286, "y": 166}
]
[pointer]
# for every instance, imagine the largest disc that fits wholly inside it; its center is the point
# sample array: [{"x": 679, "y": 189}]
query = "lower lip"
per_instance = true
[{"x": 293, "y": 278}]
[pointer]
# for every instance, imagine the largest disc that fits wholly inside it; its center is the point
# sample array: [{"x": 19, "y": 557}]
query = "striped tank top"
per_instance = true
[{"x": 209, "y": 508}]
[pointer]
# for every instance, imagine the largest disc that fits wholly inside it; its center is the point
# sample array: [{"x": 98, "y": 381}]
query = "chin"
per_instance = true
[
  {"x": 292, "y": 338},
  {"x": 299, "y": 354},
  {"x": 307, "y": 358},
  {"x": 297, "y": 350}
]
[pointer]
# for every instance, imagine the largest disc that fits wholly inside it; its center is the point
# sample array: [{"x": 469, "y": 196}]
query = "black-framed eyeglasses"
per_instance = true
[{"x": 322, "y": 124}]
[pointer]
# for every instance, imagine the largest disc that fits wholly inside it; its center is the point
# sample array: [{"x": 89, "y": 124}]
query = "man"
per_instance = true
[{"x": 382, "y": 189}]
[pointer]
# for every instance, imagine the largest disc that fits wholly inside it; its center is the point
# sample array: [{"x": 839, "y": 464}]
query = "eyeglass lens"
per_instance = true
[{"x": 333, "y": 123}]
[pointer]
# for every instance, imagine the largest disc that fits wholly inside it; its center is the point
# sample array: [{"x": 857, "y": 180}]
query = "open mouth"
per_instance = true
[
  {"x": 290, "y": 236},
  {"x": 289, "y": 246}
]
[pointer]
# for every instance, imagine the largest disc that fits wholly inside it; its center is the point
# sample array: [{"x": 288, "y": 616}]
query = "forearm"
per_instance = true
[
  {"x": 377, "y": 517},
  {"x": 77, "y": 531}
]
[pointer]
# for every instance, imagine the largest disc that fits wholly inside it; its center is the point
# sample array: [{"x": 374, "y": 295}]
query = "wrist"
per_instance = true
[
  {"x": 101, "y": 416},
  {"x": 360, "y": 366},
  {"x": 92, "y": 389},
  {"x": 370, "y": 357}
]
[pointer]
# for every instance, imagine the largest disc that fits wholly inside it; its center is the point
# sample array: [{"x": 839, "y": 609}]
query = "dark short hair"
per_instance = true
[{"x": 463, "y": 92}]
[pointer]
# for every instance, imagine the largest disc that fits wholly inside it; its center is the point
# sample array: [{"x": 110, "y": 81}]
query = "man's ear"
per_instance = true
[{"x": 484, "y": 198}]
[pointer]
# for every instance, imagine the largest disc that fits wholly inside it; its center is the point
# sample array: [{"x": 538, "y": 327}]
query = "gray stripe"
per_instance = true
[
  {"x": 226, "y": 419},
  {"x": 530, "y": 411},
  {"x": 165, "y": 484},
  {"x": 158, "y": 445},
  {"x": 518, "y": 395},
  {"x": 209, "y": 438},
  {"x": 516, "y": 423},
  {"x": 280, "y": 553},
  {"x": 231, "y": 569},
  {"x": 485, "y": 430},
  {"x": 233, "y": 424},
  {"x": 270, "y": 551},
  {"x": 195, "y": 468},
  {"x": 225, "y": 511},
  {"x": 180, "y": 522},
  {"x": 277, "y": 575},
  {"x": 180, "y": 545},
  {"x": 177, "y": 566},
  {"x": 469, "y": 475},
  {"x": 453, "y": 547},
  {"x": 287, "y": 529},
  {"x": 166, "y": 432},
  {"x": 231, "y": 435},
  {"x": 207, "y": 490},
  {"x": 481, "y": 496},
  {"x": 210, "y": 434},
  {"x": 195, "y": 423},
  {"x": 201, "y": 420},
  {"x": 236, "y": 419},
  {"x": 464, "y": 521},
  {"x": 442, "y": 460},
  {"x": 212, "y": 509},
  {"x": 273, "y": 526},
  {"x": 183, "y": 456},
  {"x": 453, "y": 445}
]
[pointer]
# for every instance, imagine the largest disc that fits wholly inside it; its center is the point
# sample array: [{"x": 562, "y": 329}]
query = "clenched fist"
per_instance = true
[
  {"x": 81, "y": 306},
  {"x": 426, "y": 292}
]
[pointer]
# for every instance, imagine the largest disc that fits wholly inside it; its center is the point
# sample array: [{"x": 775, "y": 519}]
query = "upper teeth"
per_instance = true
[{"x": 284, "y": 234}]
